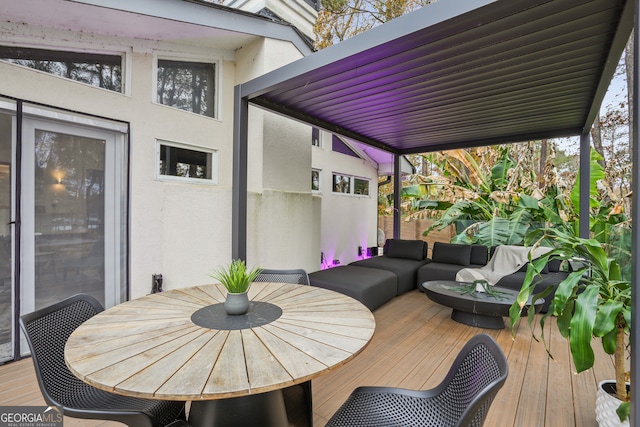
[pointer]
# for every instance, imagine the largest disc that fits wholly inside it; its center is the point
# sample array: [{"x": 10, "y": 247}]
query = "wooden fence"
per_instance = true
[{"x": 412, "y": 230}]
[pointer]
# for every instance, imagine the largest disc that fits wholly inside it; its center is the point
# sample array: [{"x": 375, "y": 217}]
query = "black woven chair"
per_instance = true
[
  {"x": 47, "y": 331},
  {"x": 300, "y": 394},
  {"x": 463, "y": 398},
  {"x": 296, "y": 276}
]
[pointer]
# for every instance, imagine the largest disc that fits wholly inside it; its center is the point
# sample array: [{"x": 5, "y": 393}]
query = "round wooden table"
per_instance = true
[{"x": 150, "y": 347}]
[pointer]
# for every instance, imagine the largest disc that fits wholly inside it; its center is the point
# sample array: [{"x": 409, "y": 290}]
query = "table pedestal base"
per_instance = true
[
  {"x": 478, "y": 320},
  {"x": 264, "y": 409}
]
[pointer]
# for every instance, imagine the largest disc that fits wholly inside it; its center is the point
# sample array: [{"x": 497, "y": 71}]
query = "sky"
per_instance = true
[{"x": 616, "y": 93}]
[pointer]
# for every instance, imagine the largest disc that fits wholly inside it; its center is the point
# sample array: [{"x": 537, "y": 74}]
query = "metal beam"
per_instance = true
[
  {"x": 397, "y": 193},
  {"x": 620, "y": 40},
  {"x": 635, "y": 239},
  {"x": 314, "y": 121},
  {"x": 585, "y": 187},
  {"x": 239, "y": 190}
]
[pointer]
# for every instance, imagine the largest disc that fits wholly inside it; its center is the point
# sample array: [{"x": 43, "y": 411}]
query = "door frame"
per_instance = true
[{"x": 120, "y": 162}]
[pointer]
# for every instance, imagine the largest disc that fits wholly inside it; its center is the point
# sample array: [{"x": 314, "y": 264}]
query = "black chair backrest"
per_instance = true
[
  {"x": 47, "y": 331},
  {"x": 479, "y": 371},
  {"x": 295, "y": 276}
]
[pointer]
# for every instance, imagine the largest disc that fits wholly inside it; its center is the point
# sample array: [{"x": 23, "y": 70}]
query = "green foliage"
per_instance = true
[
  {"x": 502, "y": 213},
  {"x": 593, "y": 301},
  {"x": 607, "y": 222},
  {"x": 499, "y": 173},
  {"x": 236, "y": 278},
  {"x": 596, "y": 173}
]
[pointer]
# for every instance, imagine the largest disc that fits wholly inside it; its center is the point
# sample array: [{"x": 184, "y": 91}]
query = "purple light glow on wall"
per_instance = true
[{"x": 330, "y": 258}]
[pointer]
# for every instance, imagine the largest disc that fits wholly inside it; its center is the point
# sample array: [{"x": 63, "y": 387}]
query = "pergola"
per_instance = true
[{"x": 455, "y": 74}]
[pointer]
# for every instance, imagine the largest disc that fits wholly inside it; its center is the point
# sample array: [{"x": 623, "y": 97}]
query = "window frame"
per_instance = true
[
  {"x": 368, "y": 181},
  {"x": 202, "y": 59},
  {"x": 319, "y": 172},
  {"x": 341, "y": 175},
  {"x": 175, "y": 178},
  {"x": 124, "y": 54},
  {"x": 352, "y": 180},
  {"x": 320, "y": 139}
]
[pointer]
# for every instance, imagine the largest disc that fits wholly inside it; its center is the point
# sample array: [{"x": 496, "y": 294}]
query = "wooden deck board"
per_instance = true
[
  {"x": 535, "y": 376},
  {"x": 560, "y": 373},
  {"x": 414, "y": 345}
]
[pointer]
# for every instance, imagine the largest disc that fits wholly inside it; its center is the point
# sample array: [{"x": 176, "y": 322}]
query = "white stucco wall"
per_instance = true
[
  {"x": 181, "y": 230},
  {"x": 347, "y": 221},
  {"x": 281, "y": 232}
]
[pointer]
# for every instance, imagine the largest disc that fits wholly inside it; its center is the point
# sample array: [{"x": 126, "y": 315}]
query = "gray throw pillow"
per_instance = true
[
  {"x": 451, "y": 253},
  {"x": 407, "y": 249},
  {"x": 479, "y": 254},
  {"x": 554, "y": 265}
]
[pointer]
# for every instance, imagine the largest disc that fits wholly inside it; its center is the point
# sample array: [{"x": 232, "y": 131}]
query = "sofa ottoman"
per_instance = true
[
  {"x": 370, "y": 286},
  {"x": 401, "y": 257}
]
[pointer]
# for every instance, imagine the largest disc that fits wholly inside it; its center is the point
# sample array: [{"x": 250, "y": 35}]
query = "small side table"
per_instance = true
[{"x": 476, "y": 308}]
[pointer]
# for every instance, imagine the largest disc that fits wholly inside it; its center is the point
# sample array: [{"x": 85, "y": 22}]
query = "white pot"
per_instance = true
[{"x": 606, "y": 406}]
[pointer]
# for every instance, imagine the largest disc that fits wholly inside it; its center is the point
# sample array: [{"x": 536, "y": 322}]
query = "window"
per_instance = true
[
  {"x": 341, "y": 184},
  {"x": 339, "y": 146},
  {"x": 189, "y": 86},
  {"x": 315, "y": 180},
  {"x": 361, "y": 186},
  {"x": 314, "y": 3},
  {"x": 186, "y": 163},
  {"x": 315, "y": 137},
  {"x": 99, "y": 70},
  {"x": 348, "y": 184}
]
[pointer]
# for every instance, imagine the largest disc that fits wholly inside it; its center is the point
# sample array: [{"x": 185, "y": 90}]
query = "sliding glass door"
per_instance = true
[
  {"x": 63, "y": 212},
  {"x": 72, "y": 224}
]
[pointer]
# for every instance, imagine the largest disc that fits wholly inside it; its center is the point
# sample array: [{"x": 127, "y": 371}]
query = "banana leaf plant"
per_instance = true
[
  {"x": 593, "y": 301},
  {"x": 503, "y": 210}
]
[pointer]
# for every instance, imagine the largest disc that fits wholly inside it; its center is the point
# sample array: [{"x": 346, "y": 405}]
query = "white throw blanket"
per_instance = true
[{"x": 505, "y": 260}]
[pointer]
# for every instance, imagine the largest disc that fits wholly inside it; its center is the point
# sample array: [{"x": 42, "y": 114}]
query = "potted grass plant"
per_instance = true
[
  {"x": 236, "y": 278},
  {"x": 592, "y": 302}
]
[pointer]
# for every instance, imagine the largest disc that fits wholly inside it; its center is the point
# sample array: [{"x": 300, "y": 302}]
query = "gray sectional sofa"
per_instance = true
[
  {"x": 374, "y": 281},
  {"x": 449, "y": 258},
  {"x": 404, "y": 265}
]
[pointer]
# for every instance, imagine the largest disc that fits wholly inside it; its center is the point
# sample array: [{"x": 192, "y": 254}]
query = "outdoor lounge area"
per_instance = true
[
  {"x": 413, "y": 346},
  {"x": 473, "y": 73}
]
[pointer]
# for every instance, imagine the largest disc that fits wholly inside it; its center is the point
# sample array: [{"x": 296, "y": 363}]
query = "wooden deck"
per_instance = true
[{"x": 413, "y": 347}]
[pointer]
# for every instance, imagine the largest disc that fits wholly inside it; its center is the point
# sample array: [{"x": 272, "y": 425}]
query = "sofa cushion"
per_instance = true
[
  {"x": 405, "y": 269},
  {"x": 479, "y": 254},
  {"x": 438, "y": 271},
  {"x": 514, "y": 281},
  {"x": 407, "y": 249},
  {"x": 371, "y": 287},
  {"x": 554, "y": 265},
  {"x": 524, "y": 267},
  {"x": 451, "y": 253}
]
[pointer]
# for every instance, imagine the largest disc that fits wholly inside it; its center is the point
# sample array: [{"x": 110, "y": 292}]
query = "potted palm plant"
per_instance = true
[
  {"x": 593, "y": 301},
  {"x": 236, "y": 278}
]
